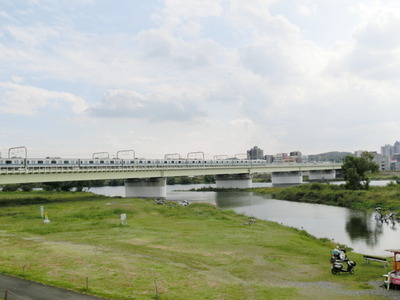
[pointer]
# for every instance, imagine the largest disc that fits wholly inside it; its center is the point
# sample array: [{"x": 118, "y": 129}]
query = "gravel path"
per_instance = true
[{"x": 377, "y": 290}]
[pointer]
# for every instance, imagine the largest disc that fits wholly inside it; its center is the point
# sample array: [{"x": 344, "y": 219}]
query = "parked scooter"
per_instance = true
[
  {"x": 338, "y": 254},
  {"x": 338, "y": 267},
  {"x": 338, "y": 257}
]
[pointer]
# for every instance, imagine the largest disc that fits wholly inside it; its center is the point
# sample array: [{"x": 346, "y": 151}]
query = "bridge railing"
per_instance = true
[{"x": 136, "y": 168}]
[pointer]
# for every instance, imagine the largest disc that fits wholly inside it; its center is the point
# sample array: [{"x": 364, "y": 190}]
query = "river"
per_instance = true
[{"x": 358, "y": 230}]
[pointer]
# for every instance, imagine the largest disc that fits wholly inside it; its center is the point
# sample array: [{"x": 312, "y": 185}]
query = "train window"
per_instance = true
[
  {"x": 8, "y": 162},
  {"x": 90, "y": 161},
  {"x": 102, "y": 161},
  {"x": 53, "y": 162},
  {"x": 40, "y": 162},
  {"x": 66, "y": 162},
  {"x": 132, "y": 161},
  {"x": 149, "y": 162},
  {"x": 111, "y": 161}
]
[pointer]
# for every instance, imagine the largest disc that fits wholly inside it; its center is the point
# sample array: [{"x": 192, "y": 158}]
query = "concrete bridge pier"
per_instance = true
[
  {"x": 286, "y": 178},
  {"x": 321, "y": 175},
  {"x": 146, "y": 187},
  {"x": 234, "y": 181}
]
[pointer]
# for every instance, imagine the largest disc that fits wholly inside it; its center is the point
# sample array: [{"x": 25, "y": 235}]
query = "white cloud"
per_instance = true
[
  {"x": 307, "y": 11},
  {"x": 206, "y": 74},
  {"x": 153, "y": 108},
  {"x": 31, "y": 36},
  {"x": 27, "y": 100},
  {"x": 375, "y": 51}
]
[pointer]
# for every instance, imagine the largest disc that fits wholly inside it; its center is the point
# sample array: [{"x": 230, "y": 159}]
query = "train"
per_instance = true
[{"x": 24, "y": 164}]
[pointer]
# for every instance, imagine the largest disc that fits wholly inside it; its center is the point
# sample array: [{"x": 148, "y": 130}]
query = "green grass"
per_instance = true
[{"x": 194, "y": 252}]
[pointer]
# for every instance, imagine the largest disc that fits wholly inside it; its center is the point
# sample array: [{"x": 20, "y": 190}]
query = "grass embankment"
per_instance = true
[
  {"x": 386, "y": 197},
  {"x": 194, "y": 252}
]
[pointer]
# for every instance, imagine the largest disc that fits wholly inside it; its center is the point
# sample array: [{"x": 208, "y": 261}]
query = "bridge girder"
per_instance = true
[{"x": 95, "y": 174}]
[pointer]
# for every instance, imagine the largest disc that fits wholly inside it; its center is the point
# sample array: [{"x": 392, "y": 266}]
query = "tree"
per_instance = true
[{"x": 355, "y": 171}]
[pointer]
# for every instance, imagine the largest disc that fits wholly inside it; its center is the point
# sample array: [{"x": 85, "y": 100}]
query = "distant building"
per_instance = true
[
  {"x": 255, "y": 153},
  {"x": 358, "y": 153},
  {"x": 396, "y": 148},
  {"x": 269, "y": 159},
  {"x": 281, "y": 157},
  {"x": 390, "y": 157},
  {"x": 296, "y": 156},
  {"x": 385, "y": 163},
  {"x": 387, "y": 150}
]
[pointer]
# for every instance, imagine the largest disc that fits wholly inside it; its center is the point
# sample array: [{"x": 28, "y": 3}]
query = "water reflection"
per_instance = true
[
  {"x": 360, "y": 226},
  {"x": 227, "y": 200}
]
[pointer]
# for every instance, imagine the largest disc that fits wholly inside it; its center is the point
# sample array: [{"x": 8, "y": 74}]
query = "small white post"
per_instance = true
[
  {"x": 41, "y": 211},
  {"x": 123, "y": 219}
]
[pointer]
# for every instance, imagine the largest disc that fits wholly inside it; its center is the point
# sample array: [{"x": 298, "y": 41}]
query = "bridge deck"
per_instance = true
[{"x": 54, "y": 174}]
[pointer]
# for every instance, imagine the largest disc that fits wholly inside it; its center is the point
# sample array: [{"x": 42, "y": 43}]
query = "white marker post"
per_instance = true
[
  {"x": 41, "y": 211},
  {"x": 123, "y": 219}
]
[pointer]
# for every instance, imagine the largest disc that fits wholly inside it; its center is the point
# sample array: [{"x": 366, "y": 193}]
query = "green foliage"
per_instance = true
[
  {"x": 190, "y": 180},
  {"x": 10, "y": 188},
  {"x": 16, "y": 198},
  {"x": 355, "y": 171},
  {"x": 387, "y": 197}
]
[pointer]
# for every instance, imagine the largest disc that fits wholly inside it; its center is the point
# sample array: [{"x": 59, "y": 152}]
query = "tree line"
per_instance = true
[{"x": 81, "y": 185}]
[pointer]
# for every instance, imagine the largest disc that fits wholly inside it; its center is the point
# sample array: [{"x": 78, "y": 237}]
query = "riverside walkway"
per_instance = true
[{"x": 13, "y": 288}]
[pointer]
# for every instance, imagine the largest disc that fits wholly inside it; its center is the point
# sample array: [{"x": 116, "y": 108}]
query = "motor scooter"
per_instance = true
[
  {"x": 338, "y": 266},
  {"x": 338, "y": 254}
]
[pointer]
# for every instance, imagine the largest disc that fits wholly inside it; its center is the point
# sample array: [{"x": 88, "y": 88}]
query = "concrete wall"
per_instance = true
[
  {"x": 286, "y": 178},
  {"x": 234, "y": 181},
  {"x": 146, "y": 188},
  {"x": 322, "y": 175}
]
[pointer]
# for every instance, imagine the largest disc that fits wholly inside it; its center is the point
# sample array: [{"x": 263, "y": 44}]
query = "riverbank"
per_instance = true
[
  {"x": 175, "y": 252},
  {"x": 386, "y": 197}
]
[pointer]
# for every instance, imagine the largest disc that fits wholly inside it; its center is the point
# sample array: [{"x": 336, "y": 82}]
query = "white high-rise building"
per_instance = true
[{"x": 387, "y": 150}]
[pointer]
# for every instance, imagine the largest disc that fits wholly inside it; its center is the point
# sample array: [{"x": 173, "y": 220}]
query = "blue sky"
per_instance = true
[{"x": 217, "y": 76}]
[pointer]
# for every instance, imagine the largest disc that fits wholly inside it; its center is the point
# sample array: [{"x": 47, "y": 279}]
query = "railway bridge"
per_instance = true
[{"x": 150, "y": 180}]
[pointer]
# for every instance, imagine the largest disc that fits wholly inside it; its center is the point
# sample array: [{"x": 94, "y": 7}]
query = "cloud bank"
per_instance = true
[{"x": 218, "y": 76}]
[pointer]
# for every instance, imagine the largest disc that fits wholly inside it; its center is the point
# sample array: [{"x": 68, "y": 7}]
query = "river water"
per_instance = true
[{"x": 358, "y": 230}]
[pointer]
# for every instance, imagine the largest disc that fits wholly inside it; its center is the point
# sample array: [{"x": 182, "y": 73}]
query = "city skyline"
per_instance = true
[{"x": 177, "y": 76}]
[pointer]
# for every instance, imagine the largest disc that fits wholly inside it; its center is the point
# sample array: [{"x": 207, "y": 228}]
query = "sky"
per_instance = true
[{"x": 214, "y": 77}]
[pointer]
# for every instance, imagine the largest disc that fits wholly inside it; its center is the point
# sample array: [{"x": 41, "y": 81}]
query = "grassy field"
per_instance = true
[{"x": 168, "y": 251}]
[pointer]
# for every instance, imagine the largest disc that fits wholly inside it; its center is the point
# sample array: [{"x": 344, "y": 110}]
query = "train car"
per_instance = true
[
  {"x": 15, "y": 163},
  {"x": 129, "y": 162},
  {"x": 11, "y": 164}
]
